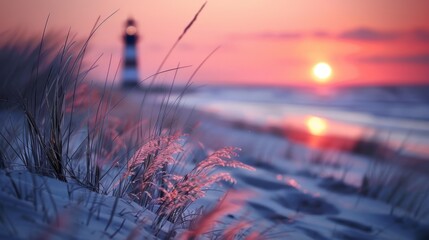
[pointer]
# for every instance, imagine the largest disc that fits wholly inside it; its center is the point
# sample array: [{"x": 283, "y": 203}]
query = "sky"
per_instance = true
[{"x": 269, "y": 42}]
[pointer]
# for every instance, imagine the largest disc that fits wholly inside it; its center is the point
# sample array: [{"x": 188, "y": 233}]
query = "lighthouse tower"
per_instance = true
[{"x": 130, "y": 76}]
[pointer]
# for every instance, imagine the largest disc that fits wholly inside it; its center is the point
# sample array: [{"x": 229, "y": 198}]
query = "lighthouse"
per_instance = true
[{"x": 130, "y": 76}]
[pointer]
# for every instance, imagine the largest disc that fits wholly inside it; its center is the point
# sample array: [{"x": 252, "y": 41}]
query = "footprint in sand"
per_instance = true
[
  {"x": 306, "y": 203},
  {"x": 337, "y": 186},
  {"x": 351, "y": 224},
  {"x": 313, "y": 234},
  {"x": 351, "y": 234},
  {"x": 268, "y": 213},
  {"x": 265, "y": 184}
]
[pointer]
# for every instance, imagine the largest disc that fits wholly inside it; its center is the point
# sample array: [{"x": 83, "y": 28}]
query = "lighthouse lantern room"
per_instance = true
[{"x": 130, "y": 76}]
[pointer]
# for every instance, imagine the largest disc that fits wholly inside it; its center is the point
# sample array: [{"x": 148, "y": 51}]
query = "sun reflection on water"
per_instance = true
[{"x": 316, "y": 125}]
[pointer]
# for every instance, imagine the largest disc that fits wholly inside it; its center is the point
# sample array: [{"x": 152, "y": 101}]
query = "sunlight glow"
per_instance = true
[
  {"x": 316, "y": 126},
  {"x": 322, "y": 72}
]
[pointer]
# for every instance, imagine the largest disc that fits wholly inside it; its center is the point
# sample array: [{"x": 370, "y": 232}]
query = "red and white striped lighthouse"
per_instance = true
[{"x": 130, "y": 75}]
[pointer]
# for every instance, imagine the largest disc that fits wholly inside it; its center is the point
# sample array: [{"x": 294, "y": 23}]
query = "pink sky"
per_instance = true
[{"x": 263, "y": 42}]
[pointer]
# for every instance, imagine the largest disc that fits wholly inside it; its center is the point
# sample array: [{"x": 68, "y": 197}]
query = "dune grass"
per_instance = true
[
  {"x": 403, "y": 189},
  {"x": 73, "y": 131},
  {"x": 60, "y": 125}
]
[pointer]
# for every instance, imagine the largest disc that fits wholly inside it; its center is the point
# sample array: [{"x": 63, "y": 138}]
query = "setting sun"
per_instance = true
[
  {"x": 316, "y": 126},
  {"x": 322, "y": 72}
]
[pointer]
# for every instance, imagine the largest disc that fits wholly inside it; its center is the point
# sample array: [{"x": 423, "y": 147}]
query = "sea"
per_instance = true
[{"x": 396, "y": 117}]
